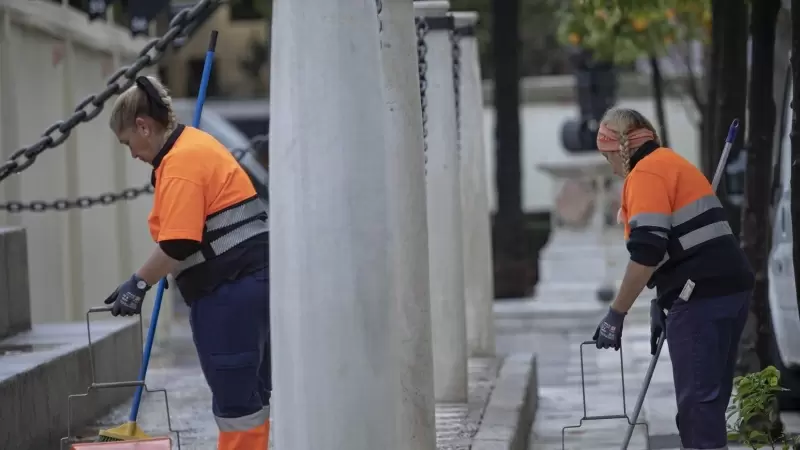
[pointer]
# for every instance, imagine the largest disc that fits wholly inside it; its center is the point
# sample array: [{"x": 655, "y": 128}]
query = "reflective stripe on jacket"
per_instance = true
[
  {"x": 226, "y": 229},
  {"x": 675, "y": 222}
]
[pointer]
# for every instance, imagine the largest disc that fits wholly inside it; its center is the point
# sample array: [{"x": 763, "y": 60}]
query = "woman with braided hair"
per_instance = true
[{"x": 679, "y": 242}]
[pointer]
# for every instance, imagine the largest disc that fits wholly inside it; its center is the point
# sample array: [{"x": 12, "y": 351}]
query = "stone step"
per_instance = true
[
  {"x": 41, "y": 367},
  {"x": 15, "y": 301}
]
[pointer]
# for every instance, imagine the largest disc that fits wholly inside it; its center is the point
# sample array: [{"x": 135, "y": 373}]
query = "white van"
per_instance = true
[
  {"x": 783, "y": 301},
  {"x": 212, "y": 123}
]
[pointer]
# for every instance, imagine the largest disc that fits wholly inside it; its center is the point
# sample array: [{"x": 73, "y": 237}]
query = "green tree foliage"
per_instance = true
[
  {"x": 753, "y": 405},
  {"x": 623, "y": 30}
]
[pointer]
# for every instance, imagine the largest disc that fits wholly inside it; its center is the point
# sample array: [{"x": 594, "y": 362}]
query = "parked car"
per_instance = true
[
  {"x": 784, "y": 312},
  {"x": 250, "y": 116},
  {"x": 212, "y": 123}
]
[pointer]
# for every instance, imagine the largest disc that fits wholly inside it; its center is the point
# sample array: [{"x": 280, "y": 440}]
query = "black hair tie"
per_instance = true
[{"x": 157, "y": 108}]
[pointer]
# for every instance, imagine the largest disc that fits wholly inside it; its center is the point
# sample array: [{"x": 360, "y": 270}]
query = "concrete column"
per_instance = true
[
  {"x": 478, "y": 269},
  {"x": 446, "y": 258},
  {"x": 408, "y": 227},
  {"x": 333, "y": 313}
]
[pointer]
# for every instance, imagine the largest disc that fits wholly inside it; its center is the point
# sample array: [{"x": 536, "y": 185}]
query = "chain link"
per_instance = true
[
  {"x": 379, "y": 5},
  {"x": 93, "y": 105},
  {"x": 422, "y": 53},
  {"x": 78, "y": 203},
  {"x": 108, "y": 198},
  {"x": 455, "y": 37}
]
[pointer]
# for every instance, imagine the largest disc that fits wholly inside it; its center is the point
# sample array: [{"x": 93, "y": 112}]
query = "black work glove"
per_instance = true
[
  {"x": 128, "y": 297},
  {"x": 609, "y": 331},
  {"x": 658, "y": 325}
]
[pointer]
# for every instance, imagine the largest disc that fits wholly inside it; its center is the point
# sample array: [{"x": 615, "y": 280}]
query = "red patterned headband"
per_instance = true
[{"x": 608, "y": 139}]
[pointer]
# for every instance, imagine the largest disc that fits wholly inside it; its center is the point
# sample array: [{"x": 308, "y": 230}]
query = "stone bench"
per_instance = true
[{"x": 42, "y": 364}]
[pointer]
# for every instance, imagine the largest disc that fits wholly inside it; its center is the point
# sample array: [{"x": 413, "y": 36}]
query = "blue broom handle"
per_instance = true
[{"x": 151, "y": 331}]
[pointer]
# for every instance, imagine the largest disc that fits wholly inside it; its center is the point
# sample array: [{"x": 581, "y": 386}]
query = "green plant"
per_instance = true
[
  {"x": 753, "y": 408},
  {"x": 623, "y": 30}
]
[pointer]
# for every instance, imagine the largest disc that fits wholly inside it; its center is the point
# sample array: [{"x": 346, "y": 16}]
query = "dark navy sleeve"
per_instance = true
[{"x": 179, "y": 249}]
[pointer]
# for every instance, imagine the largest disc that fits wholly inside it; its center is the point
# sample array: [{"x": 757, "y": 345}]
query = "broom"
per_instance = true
[{"x": 130, "y": 430}]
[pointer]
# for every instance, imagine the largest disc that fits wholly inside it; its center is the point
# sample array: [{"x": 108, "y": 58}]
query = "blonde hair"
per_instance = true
[
  {"x": 135, "y": 102},
  {"x": 624, "y": 120}
]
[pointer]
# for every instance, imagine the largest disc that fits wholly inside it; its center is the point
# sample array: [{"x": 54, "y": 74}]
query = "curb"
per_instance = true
[{"x": 508, "y": 416}]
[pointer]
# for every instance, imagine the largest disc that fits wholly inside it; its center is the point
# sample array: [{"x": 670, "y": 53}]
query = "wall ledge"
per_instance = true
[{"x": 67, "y": 23}]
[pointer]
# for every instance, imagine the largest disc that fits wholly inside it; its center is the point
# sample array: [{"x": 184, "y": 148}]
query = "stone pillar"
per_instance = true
[
  {"x": 478, "y": 270},
  {"x": 446, "y": 258},
  {"x": 408, "y": 228},
  {"x": 333, "y": 315}
]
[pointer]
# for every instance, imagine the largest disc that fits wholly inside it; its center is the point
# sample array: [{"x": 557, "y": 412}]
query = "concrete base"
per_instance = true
[
  {"x": 15, "y": 310},
  {"x": 40, "y": 368},
  {"x": 509, "y": 414}
]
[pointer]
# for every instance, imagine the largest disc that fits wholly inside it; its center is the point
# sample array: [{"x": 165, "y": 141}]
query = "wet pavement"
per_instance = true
[
  {"x": 554, "y": 333},
  {"x": 175, "y": 367}
]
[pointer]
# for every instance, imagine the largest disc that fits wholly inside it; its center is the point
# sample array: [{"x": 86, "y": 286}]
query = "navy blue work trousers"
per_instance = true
[
  {"x": 231, "y": 332},
  {"x": 703, "y": 337}
]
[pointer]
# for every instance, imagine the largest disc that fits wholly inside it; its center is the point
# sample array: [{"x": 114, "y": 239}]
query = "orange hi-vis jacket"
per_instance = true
[
  {"x": 202, "y": 194},
  {"x": 675, "y": 222}
]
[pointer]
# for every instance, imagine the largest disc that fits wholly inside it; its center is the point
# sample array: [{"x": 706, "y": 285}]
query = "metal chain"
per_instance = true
[
  {"x": 108, "y": 198},
  {"x": 148, "y": 57},
  {"x": 379, "y": 4},
  {"x": 455, "y": 37},
  {"x": 78, "y": 203},
  {"x": 422, "y": 52}
]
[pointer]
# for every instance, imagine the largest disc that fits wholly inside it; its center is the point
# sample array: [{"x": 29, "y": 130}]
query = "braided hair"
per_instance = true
[
  {"x": 148, "y": 97},
  {"x": 624, "y": 120}
]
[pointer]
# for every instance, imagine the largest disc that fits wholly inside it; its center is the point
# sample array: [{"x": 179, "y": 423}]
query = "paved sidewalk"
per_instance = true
[
  {"x": 554, "y": 333},
  {"x": 177, "y": 369}
]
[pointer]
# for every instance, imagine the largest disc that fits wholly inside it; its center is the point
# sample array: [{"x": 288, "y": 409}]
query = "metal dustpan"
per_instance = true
[
  {"x": 72, "y": 442},
  {"x": 586, "y": 417}
]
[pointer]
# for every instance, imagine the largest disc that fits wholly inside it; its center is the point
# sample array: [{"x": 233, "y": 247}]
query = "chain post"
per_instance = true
[
  {"x": 108, "y": 198},
  {"x": 149, "y": 56},
  {"x": 422, "y": 63}
]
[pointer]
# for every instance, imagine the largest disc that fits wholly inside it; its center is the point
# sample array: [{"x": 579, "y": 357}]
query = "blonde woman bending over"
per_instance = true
[{"x": 680, "y": 243}]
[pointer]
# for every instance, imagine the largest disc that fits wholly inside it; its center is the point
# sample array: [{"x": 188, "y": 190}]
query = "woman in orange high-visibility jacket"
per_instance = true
[
  {"x": 212, "y": 234},
  {"x": 679, "y": 242}
]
